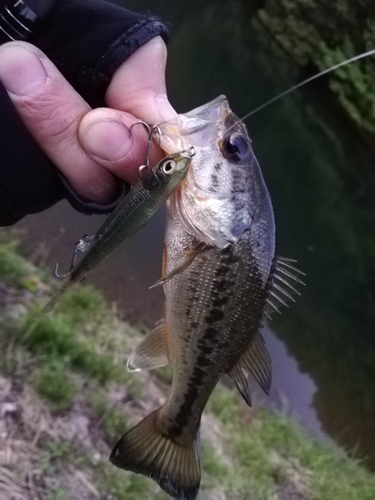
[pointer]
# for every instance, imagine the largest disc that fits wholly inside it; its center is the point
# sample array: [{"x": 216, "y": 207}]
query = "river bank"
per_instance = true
[{"x": 65, "y": 398}]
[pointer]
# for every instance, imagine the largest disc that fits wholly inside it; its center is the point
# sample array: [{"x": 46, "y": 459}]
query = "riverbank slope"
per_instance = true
[{"x": 66, "y": 397}]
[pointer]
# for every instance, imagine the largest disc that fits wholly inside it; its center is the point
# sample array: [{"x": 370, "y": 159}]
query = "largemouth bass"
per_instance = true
[
  {"x": 218, "y": 274},
  {"x": 131, "y": 214}
]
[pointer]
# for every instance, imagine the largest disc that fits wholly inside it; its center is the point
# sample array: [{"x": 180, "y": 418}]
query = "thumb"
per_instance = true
[{"x": 138, "y": 85}]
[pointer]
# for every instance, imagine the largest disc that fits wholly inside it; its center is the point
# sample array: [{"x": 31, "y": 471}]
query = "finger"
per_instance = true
[
  {"x": 52, "y": 111},
  {"x": 103, "y": 133},
  {"x": 138, "y": 85}
]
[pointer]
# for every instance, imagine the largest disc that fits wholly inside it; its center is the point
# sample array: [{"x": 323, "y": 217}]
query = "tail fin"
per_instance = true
[{"x": 146, "y": 450}]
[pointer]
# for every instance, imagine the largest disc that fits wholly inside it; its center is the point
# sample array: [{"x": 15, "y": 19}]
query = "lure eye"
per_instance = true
[
  {"x": 169, "y": 166},
  {"x": 235, "y": 148}
]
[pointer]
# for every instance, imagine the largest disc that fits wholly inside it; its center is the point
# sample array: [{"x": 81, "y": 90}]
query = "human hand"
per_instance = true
[{"x": 90, "y": 147}]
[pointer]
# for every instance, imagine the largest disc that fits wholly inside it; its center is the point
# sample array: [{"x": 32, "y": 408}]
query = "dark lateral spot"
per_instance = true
[
  {"x": 217, "y": 167},
  {"x": 221, "y": 271},
  {"x": 215, "y": 181},
  {"x": 229, "y": 258},
  {"x": 210, "y": 333},
  {"x": 224, "y": 344},
  {"x": 206, "y": 349},
  {"x": 220, "y": 301},
  {"x": 194, "y": 325},
  {"x": 185, "y": 411},
  {"x": 214, "y": 315},
  {"x": 203, "y": 360},
  {"x": 223, "y": 285}
]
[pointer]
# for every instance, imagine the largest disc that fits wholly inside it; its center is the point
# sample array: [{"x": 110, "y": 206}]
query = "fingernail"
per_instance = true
[
  {"x": 21, "y": 71},
  {"x": 109, "y": 140}
]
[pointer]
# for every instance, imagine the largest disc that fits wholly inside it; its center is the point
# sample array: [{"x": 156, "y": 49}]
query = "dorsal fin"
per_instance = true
[
  {"x": 255, "y": 361},
  {"x": 284, "y": 280}
]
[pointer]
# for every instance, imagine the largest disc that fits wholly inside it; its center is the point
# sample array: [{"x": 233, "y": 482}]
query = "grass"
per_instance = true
[
  {"x": 58, "y": 336},
  {"x": 114, "y": 421},
  {"x": 14, "y": 269},
  {"x": 83, "y": 304},
  {"x": 54, "y": 382},
  {"x": 271, "y": 449},
  {"x": 81, "y": 335},
  {"x": 121, "y": 485},
  {"x": 54, "y": 455},
  {"x": 59, "y": 494}
]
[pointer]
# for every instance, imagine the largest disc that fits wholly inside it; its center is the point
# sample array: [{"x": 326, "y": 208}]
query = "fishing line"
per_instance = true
[
  {"x": 301, "y": 84},
  {"x": 304, "y": 82}
]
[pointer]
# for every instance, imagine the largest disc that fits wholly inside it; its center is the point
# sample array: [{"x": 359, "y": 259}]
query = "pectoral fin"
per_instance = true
[
  {"x": 152, "y": 351},
  {"x": 182, "y": 265},
  {"x": 254, "y": 361}
]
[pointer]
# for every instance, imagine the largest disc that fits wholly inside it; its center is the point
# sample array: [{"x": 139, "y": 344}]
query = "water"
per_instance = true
[{"x": 321, "y": 178}]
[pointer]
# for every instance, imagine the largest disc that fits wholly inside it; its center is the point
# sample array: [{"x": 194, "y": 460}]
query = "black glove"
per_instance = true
[{"x": 87, "y": 40}]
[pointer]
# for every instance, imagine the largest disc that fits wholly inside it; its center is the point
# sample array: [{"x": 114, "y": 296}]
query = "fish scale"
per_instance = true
[{"x": 203, "y": 333}]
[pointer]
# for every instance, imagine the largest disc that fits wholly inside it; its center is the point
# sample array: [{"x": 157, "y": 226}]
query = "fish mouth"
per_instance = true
[
  {"x": 194, "y": 128},
  {"x": 211, "y": 109}
]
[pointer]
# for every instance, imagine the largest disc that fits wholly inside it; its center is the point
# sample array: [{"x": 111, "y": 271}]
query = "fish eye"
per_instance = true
[
  {"x": 169, "y": 167},
  {"x": 235, "y": 147}
]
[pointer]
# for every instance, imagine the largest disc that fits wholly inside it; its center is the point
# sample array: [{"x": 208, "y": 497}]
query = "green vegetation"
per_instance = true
[
  {"x": 56, "y": 336},
  {"x": 122, "y": 485},
  {"x": 53, "y": 381},
  {"x": 270, "y": 449},
  {"x": 66, "y": 356},
  {"x": 113, "y": 420},
  {"x": 13, "y": 268},
  {"x": 321, "y": 34}
]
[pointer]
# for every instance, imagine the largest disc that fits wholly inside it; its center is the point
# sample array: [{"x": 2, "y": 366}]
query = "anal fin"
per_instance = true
[
  {"x": 152, "y": 351},
  {"x": 255, "y": 361},
  {"x": 182, "y": 265}
]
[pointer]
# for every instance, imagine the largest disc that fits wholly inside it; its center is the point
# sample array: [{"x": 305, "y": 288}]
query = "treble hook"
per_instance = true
[
  {"x": 61, "y": 276},
  {"x": 151, "y": 132},
  {"x": 79, "y": 247},
  {"x": 140, "y": 122}
]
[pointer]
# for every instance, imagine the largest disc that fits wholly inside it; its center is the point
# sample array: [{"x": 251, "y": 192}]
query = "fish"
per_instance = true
[
  {"x": 155, "y": 185},
  {"x": 221, "y": 276}
]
